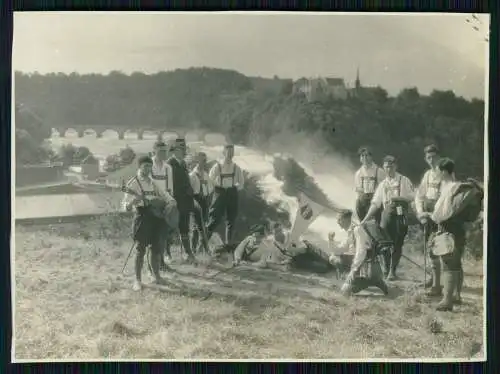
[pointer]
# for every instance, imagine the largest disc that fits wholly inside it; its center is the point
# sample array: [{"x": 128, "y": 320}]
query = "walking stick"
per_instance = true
[
  {"x": 128, "y": 257},
  {"x": 425, "y": 254}
]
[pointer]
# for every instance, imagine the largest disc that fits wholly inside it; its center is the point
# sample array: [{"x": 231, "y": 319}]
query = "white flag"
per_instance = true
[{"x": 306, "y": 214}]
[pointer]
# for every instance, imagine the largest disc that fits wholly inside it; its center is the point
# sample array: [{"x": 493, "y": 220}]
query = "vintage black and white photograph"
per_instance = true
[{"x": 249, "y": 186}]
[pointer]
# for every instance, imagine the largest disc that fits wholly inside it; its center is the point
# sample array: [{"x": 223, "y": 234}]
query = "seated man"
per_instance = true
[
  {"x": 249, "y": 245},
  {"x": 368, "y": 243},
  {"x": 270, "y": 253}
]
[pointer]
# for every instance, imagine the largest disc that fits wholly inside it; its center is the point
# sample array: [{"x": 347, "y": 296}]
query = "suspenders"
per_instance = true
[{"x": 224, "y": 176}]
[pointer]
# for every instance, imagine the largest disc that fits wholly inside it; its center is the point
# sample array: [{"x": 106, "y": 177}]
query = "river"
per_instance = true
[{"x": 339, "y": 188}]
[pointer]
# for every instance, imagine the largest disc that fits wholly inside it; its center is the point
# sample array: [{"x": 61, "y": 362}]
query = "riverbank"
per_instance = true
[{"x": 72, "y": 303}]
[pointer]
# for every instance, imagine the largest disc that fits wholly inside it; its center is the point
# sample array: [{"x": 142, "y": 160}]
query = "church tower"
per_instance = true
[{"x": 358, "y": 82}]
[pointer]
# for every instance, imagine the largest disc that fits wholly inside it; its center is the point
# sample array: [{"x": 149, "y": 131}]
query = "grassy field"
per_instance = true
[{"x": 72, "y": 303}]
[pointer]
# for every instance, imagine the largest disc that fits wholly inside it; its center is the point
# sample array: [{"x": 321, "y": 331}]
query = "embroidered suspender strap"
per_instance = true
[
  {"x": 234, "y": 172},
  {"x": 376, "y": 175},
  {"x": 220, "y": 173},
  {"x": 142, "y": 190},
  {"x": 399, "y": 185}
]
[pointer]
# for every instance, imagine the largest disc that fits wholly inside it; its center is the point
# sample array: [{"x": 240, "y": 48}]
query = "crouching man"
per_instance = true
[
  {"x": 148, "y": 202},
  {"x": 367, "y": 242}
]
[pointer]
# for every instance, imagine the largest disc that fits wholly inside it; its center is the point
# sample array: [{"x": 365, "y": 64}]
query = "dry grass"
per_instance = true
[{"x": 71, "y": 304}]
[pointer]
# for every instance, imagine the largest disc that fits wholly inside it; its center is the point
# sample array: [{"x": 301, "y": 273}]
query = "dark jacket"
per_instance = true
[{"x": 183, "y": 192}]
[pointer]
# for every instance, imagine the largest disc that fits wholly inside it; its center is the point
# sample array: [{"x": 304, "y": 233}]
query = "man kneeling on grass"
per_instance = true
[{"x": 366, "y": 242}]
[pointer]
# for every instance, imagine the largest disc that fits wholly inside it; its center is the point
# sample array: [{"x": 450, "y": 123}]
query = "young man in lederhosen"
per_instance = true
[
  {"x": 393, "y": 195},
  {"x": 228, "y": 180},
  {"x": 203, "y": 189},
  {"x": 183, "y": 193},
  {"x": 362, "y": 248},
  {"x": 366, "y": 181},
  {"x": 162, "y": 175},
  {"x": 141, "y": 196},
  {"x": 451, "y": 263},
  {"x": 425, "y": 199}
]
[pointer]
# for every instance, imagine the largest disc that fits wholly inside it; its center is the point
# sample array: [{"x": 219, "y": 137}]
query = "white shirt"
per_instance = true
[
  {"x": 151, "y": 191},
  {"x": 443, "y": 203},
  {"x": 348, "y": 245},
  {"x": 362, "y": 244},
  {"x": 430, "y": 188},
  {"x": 162, "y": 176},
  {"x": 367, "y": 179},
  {"x": 399, "y": 186},
  {"x": 232, "y": 175},
  {"x": 205, "y": 184}
]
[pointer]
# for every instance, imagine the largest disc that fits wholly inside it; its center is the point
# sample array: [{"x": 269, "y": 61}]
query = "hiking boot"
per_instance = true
[
  {"x": 449, "y": 280},
  {"x": 190, "y": 260},
  {"x": 391, "y": 276},
  {"x": 435, "y": 292},
  {"x": 429, "y": 283},
  {"x": 164, "y": 266},
  {"x": 159, "y": 281},
  {"x": 457, "y": 300},
  {"x": 137, "y": 286},
  {"x": 383, "y": 287}
]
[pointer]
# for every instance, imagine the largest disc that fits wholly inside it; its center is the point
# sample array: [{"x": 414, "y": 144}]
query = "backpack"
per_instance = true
[
  {"x": 464, "y": 202},
  {"x": 381, "y": 242}
]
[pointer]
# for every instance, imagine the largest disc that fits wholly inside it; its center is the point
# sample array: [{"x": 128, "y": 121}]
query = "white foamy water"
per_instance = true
[{"x": 339, "y": 190}]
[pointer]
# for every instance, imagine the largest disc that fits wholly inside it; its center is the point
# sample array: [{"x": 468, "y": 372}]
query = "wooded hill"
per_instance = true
[{"x": 253, "y": 110}]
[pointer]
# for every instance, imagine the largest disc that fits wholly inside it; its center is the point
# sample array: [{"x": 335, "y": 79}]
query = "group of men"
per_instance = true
[
  {"x": 165, "y": 182},
  {"x": 376, "y": 229},
  {"x": 385, "y": 198}
]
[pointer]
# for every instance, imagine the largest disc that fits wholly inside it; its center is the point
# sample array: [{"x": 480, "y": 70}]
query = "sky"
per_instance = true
[{"x": 427, "y": 51}]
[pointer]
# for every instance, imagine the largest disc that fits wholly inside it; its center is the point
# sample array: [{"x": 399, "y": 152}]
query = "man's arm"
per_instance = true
[
  {"x": 241, "y": 248},
  {"x": 408, "y": 191},
  {"x": 164, "y": 194},
  {"x": 131, "y": 201},
  {"x": 380, "y": 175},
  {"x": 362, "y": 245},
  {"x": 420, "y": 195},
  {"x": 240, "y": 179},
  {"x": 170, "y": 181},
  {"x": 376, "y": 203},
  {"x": 214, "y": 174},
  {"x": 195, "y": 183},
  {"x": 357, "y": 182}
]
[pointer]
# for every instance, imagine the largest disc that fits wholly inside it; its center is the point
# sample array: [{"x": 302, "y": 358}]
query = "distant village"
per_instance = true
[{"x": 317, "y": 88}]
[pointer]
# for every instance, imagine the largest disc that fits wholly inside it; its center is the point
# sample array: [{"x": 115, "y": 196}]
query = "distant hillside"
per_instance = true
[{"x": 261, "y": 111}]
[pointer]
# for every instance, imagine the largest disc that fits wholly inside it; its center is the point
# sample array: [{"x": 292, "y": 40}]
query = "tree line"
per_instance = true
[{"x": 231, "y": 103}]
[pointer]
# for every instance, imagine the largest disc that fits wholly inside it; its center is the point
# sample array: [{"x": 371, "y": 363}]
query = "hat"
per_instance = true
[
  {"x": 432, "y": 148},
  {"x": 144, "y": 160},
  {"x": 389, "y": 160},
  {"x": 160, "y": 145}
]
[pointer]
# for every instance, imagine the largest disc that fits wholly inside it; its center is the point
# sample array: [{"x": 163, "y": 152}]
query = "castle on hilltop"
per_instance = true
[{"x": 320, "y": 88}]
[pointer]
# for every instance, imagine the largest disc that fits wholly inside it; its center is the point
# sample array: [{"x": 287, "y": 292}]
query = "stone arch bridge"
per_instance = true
[{"x": 121, "y": 131}]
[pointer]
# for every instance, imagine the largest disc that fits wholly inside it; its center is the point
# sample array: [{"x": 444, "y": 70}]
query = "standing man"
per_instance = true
[
  {"x": 203, "y": 189},
  {"x": 393, "y": 195},
  {"x": 451, "y": 262},
  {"x": 162, "y": 175},
  {"x": 425, "y": 199},
  {"x": 228, "y": 181},
  {"x": 183, "y": 193},
  {"x": 142, "y": 196},
  {"x": 366, "y": 180}
]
